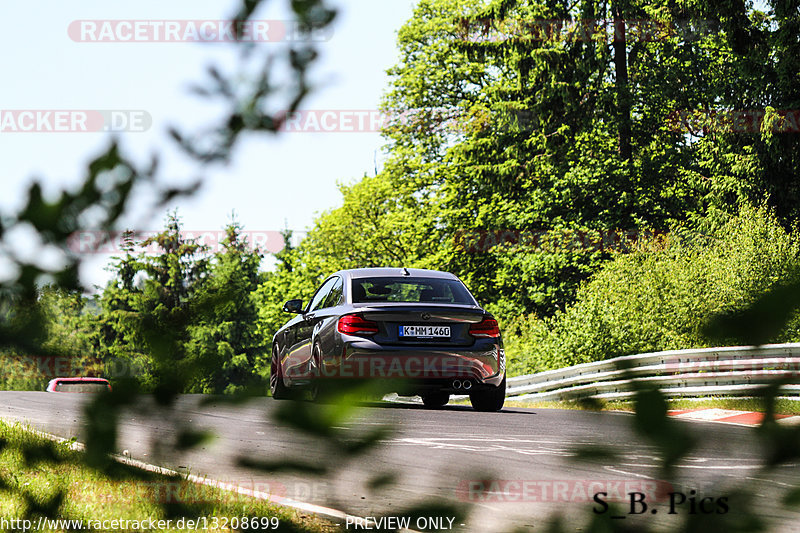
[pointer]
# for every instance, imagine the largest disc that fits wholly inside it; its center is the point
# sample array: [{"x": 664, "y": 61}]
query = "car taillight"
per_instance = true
[
  {"x": 356, "y": 325},
  {"x": 485, "y": 328}
]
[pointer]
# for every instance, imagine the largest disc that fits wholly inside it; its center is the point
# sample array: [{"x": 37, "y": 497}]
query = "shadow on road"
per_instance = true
[{"x": 452, "y": 408}]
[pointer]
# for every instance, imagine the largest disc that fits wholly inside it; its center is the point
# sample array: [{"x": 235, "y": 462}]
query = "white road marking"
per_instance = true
[
  {"x": 771, "y": 481},
  {"x": 492, "y": 444},
  {"x": 625, "y": 472},
  {"x": 700, "y": 467}
]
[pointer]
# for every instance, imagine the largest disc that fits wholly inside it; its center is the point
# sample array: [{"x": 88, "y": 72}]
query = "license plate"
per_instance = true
[{"x": 425, "y": 331}]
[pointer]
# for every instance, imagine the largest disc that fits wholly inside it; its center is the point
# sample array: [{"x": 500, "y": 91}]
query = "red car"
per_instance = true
[{"x": 78, "y": 385}]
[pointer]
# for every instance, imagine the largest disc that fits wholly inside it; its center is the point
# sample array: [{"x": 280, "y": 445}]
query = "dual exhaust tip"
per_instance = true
[{"x": 459, "y": 384}]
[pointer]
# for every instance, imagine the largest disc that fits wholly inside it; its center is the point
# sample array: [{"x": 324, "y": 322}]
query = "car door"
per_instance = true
[
  {"x": 298, "y": 361},
  {"x": 327, "y": 317}
]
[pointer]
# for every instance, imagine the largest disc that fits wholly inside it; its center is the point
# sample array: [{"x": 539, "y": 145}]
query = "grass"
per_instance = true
[
  {"x": 39, "y": 477},
  {"x": 782, "y": 406}
]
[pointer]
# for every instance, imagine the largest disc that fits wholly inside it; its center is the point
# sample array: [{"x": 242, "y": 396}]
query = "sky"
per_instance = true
[{"x": 273, "y": 181}]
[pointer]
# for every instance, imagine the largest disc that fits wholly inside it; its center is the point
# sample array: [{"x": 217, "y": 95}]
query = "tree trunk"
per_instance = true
[{"x": 621, "y": 72}]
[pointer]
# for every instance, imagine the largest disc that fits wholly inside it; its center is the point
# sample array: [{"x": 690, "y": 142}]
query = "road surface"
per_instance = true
[{"x": 515, "y": 468}]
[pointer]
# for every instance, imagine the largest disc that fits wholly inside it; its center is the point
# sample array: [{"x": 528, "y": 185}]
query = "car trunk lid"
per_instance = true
[{"x": 422, "y": 324}]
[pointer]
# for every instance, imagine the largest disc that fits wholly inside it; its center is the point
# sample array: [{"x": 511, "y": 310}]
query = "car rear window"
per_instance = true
[
  {"x": 416, "y": 290},
  {"x": 80, "y": 386}
]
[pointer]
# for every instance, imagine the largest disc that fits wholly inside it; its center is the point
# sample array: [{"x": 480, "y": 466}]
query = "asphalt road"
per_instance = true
[{"x": 516, "y": 468}]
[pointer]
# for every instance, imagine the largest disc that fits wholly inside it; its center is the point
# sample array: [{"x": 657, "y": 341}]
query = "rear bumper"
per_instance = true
[{"x": 482, "y": 364}]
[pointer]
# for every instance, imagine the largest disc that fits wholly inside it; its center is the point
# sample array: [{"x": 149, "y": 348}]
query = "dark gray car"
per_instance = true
[{"x": 420, "y": 329}]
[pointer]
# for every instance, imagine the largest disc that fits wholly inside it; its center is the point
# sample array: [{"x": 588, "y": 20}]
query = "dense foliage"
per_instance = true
[
  {"x": 198, "y": 307},
  {"x": 534, "y": 144},
  {"x": 660, "y": 296}
]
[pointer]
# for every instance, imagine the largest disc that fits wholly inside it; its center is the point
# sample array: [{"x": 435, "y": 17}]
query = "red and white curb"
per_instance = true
[{"x": 728, "y": 416}]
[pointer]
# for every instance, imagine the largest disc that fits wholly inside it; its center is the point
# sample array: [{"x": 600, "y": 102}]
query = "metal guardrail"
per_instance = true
[{"x": 728, "y": 371}]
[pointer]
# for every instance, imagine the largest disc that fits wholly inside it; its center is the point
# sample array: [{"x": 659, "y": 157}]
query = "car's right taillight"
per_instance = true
[
  {"x": 356, "y": 325},
  {"x": 485, "y": 328}
]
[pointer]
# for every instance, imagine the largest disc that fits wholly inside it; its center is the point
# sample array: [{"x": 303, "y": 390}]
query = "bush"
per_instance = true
[
  {"x": 660, "y": 296},
  {"x": 20, "y": 372}
]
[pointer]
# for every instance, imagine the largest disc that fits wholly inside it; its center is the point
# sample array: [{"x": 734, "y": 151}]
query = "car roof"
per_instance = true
[
  {"x": 79, "y": 378},
  {"x": 394, "y": 272}
]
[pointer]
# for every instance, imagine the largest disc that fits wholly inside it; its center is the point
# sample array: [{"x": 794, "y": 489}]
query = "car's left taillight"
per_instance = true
[
  {"x": 485, "y": 328},
  {"x": 356, "y": 325}
]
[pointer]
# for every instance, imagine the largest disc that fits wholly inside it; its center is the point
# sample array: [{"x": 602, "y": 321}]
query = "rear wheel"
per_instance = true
[
  {"x": 489, "y": 400},
  {"x": 318, "y": 390},
  {"x": 278, "y": 390},
  {"x": 435, "y": 400}
]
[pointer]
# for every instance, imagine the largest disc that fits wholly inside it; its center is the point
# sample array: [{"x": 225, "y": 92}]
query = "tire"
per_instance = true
[
  {"x": 490, "y": 400},
  {"x": 318, "y": 392},
  {"x": 278, "y": 390},
  {"x": 435, "y": 400}
]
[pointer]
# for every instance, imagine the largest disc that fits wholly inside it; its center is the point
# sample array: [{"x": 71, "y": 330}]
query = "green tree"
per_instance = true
[
  {"x": 759, "y": 82},
  {"x": 146, "y": 307},
  {"x": 224, "y": 340},
  {"x": 69, "y": 330},
  {"x": 292, "y": 277},
  {"x": 661, "y": 296}
]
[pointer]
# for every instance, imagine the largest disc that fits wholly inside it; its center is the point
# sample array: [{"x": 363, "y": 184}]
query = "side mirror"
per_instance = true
[{"x": 293, "y": 306}]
